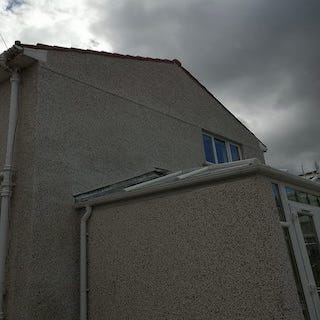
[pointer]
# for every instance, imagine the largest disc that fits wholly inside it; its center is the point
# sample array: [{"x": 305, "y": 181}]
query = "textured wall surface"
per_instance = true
[
  {"x": 161, "y": 87},
  {"x": 212, "y": 252},
  {"x": 80, "y": 127}
]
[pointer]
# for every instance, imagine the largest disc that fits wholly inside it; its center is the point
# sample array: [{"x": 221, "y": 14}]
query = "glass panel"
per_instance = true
[
  {"x": 208, "y": 148},
  {"x": 302, "y": 197},
  {"x": 296, "y": 274},
  {"x": 312, "y": 245},
  {"x": 235, "y": 154},
  {"x": 291, "y": 194},
  {"x": 221, "y": 150},
  {"x": 276, "y": 195},
  {"x": 313, "y": 200}
]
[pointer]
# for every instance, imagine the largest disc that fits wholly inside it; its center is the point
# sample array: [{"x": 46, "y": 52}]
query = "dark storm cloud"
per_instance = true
[
  {"x": 259, "y": 57},
  {"x": 13, "y": 3}
]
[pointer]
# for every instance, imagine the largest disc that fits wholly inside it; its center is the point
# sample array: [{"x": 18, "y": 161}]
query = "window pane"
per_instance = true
[
  {"x": 291, "y": 194},
  {"x": 276, "y": 195},
  {"x": 296, "y": 274},
  {"x": 208, "y": 148},
  {"x": 313, "y": 200},
  {"x": 312, "y": 244},
  {"x": 221, "y": 150},
  {"x": 235, "y": 154},
  {"x": 302, "y": 197}
]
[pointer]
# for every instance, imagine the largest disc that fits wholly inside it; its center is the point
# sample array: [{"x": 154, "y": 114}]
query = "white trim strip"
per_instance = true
[
  {"x": 191, "y": 173},
  {"x": 153, "y": 181}
]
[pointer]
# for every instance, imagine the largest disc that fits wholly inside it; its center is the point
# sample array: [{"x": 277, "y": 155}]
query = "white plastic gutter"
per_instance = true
[
  {"x": 83, "y": 265},
  {"x": 6, "y": 186}
]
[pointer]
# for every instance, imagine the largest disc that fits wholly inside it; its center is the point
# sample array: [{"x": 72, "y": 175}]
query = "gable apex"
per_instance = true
[{"x": 44, "y": 48}]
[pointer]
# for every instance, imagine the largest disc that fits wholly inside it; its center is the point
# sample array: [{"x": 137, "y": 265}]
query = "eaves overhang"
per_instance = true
[
  {"x": 204, "y": 177},
  {"x": 19, "y": 57}
]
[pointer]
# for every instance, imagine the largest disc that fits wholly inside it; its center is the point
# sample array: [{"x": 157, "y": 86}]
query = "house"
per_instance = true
[{"x": 101, "y": 138}]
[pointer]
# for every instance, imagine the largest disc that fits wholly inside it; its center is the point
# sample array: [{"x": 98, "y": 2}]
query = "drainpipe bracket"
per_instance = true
[
  {"x": 5, "y": 193},
  {"x": 7, "y": 168}
]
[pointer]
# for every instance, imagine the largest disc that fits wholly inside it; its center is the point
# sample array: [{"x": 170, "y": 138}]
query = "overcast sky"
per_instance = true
[{"x": 260, "y": 58}]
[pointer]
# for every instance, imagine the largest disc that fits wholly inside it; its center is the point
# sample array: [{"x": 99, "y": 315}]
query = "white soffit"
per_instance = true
[{"x": 37, "y": 54}]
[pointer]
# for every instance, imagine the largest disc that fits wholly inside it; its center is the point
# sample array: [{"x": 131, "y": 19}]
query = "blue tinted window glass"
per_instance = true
[
  {"x": 208, "y": 148},
  {"x": 235, "y": 155},
  {"x": 276, "y": 195},
  {"x": 221, "y": 150},
  {"x": 275, "y": 191}
]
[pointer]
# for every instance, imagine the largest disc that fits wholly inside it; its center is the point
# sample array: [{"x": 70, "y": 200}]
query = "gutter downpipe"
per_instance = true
[
  {"x": 83, "y": 264},
  {"x": 6, "y": 186}
]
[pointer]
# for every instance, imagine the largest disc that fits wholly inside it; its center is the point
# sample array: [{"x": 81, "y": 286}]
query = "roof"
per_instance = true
[
  {"x": 312, "y": 175},
  {"x": 193, "y": 177},
  {"x": 41, "y": 46},
  {"x": 310, "y": 172},
  {"x": 176, "y": 62},
  {"x": 119, "y": 186}
]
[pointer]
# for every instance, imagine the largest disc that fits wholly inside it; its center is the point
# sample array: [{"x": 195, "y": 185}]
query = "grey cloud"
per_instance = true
[
  {"x": 246, "y": 51},
  {"x": 13, "y": 3}
]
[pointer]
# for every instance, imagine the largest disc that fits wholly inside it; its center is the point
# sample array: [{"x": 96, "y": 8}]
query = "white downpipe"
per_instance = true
[
  {"x": 6, "y": 186},
  {"x": 83, "y": 265}
]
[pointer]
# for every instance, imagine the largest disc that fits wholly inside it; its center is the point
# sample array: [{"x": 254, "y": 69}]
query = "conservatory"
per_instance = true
[{"x": 237, "y": 240}]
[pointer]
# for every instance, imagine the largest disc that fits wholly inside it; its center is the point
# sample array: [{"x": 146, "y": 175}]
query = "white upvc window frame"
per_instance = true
[
  {"x": 227, "y": 143},
  {"x": 306, "y": 277}
]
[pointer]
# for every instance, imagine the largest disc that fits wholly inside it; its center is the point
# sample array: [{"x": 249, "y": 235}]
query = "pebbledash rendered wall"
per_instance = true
[
  {"x": 85, "y": 121},
  {"x": 207, "y": 252}
]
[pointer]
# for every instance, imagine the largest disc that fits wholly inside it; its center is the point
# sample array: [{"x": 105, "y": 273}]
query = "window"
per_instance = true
[
  {"x": 277, "y": 198},
  {"x": 221, "y": 150},
  {"x": 285, "y": 228},
  {"x": 302, "y": 197},
  {"x": 235, "y": 152},
  {"x": 218, "y": 150},
  {"x": 208, "y": 148}
]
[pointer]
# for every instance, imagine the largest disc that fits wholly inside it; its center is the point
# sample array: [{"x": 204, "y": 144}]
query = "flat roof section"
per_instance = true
[{"x": 196, "y": 176}]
